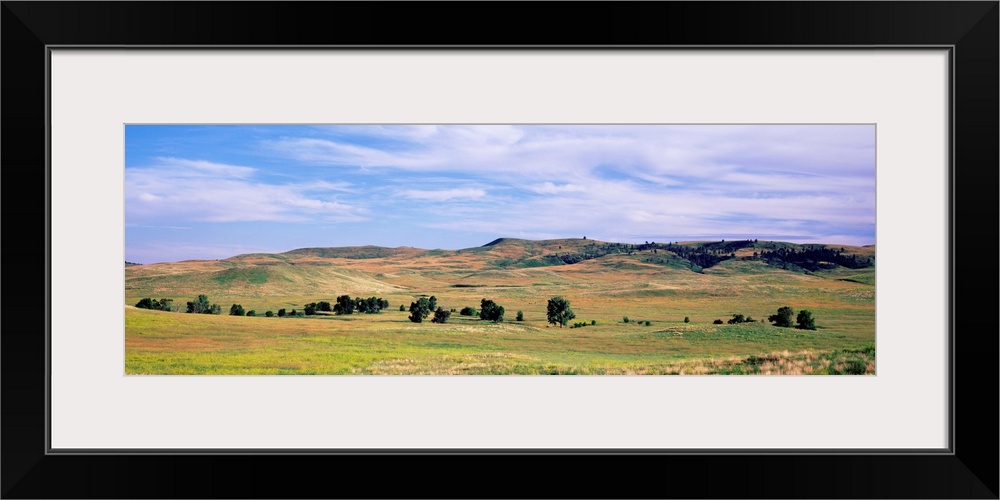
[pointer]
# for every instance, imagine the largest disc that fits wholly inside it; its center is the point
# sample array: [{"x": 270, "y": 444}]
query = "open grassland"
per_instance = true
[{"x": 518, "y": 275}]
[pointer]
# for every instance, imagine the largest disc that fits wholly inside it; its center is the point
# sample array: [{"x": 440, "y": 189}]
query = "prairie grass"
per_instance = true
[{"x": 602, "y": 290}]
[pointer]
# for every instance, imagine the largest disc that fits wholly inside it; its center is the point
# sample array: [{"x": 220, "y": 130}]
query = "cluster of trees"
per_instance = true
[
  {"x": 201, "y": 305},
  {"x": 156, "y": 305},
  {"x": 727, "y": 247},
  {"x": 739, "y": 318},
  {"x": 783, "y": 318},
  {"x": 804, "y": 320},
  {"x": 700, "y": 256},
  {"x": 422, "y": 308},
  {"x": 346, "y": 305},
  {"x": 815, "y": 258},
  {"x": 558, "y": 311}
]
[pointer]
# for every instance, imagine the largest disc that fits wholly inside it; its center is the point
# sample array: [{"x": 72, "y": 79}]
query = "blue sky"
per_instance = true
[{"x": 212, "y": 192}]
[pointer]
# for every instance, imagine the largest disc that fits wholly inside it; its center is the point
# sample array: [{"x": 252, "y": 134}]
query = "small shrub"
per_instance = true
[
  {"x": 593, "y": 322},
  {"x": 269, "y": 314},
  {"x": 468, "y": 311},
  {"x": 237, "y": 310},
  {"x": 687, "y": 319},
  {"x": 402, "y": 308},
  {"x": 625, "y": 319},
  {"x": 251, "y": 313},
  {"x": 648, "y": 323},
  {"x": 281, "y": 313},
  {"x": 717, "y": 322},
  {"x": 520, "y": 316}
]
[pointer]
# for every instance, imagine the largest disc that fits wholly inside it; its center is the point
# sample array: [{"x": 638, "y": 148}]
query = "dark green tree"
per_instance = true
[
  {"x": 281, "y": 313},
  {"x": 309, "y": 309},
  {"x": 433, "y": 302},
  {"x": 441, "y": 316},
  {"x": 237, "y": 310},
  {"x": 345, "y": 305},
  {"x": 269, "y": 314},
  {"x": 419, "y": 310},
  {"x": 558, "y": 311},
  {"x": 468, "y": 311},
  {"x": 783, "y": 318},
  {"x": 251, "y": 313},
  {"x": 146, "y": 303},
  {"x": 402, "y": 307},
  {"x": 200, "y": 305},
  {"x": 489, "y": 310},
  {"x": 323, "y": 306},
  {"x": 805, "y": 320},
  {"x": 520, "y": 316}
]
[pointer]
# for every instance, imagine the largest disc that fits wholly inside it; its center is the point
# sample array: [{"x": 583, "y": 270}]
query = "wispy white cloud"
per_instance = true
[
  {"x": 550, "y": 188},
  {"x": 181, "y": 190},
  {"x": 444, "y": 195},
  {"x": 200, "y": 168}
]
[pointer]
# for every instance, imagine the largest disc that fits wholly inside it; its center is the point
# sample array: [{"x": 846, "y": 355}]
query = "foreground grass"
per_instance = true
[{"x": 387, "y": 343}]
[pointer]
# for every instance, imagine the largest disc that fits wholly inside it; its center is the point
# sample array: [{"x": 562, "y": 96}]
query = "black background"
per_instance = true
[{"x": 971, "y": 472}]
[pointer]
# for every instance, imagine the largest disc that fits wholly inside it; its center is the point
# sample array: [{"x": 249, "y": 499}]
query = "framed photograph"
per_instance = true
[{"x": 746, "y": 246}]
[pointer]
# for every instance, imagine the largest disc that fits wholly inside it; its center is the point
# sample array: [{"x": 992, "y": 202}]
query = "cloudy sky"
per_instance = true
[{"x": 211, "y": 192}]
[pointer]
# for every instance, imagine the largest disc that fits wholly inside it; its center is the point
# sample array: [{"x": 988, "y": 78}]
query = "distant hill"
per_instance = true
[
  {"x": 326, "y": 272},
  {"x": 362, "y": 252}
]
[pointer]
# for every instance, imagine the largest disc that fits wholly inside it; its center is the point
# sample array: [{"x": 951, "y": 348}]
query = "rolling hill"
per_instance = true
[{"x": 647, "y": 308}]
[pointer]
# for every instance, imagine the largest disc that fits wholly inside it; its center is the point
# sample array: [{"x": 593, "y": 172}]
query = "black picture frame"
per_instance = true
[{"x": 970, "y": 29}]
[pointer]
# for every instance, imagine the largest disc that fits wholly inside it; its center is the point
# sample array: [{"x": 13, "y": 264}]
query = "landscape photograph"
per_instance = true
[{"x": 501, "y": 249}]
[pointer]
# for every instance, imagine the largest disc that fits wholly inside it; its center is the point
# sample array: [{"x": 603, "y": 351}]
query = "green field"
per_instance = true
[{"x": 608, "y": 283}]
